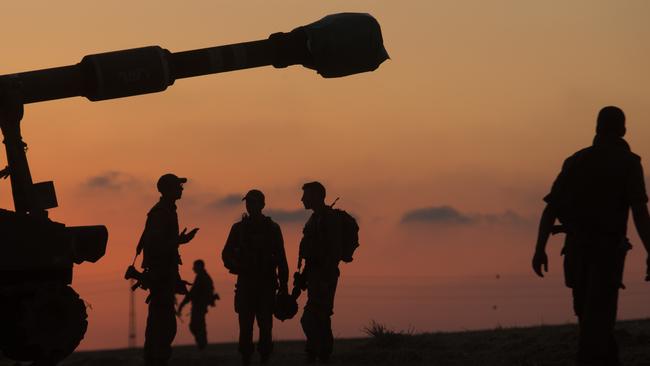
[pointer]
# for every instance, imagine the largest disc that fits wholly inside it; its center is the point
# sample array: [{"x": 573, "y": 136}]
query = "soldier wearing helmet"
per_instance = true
[
  {"x": 160, "y": 243},
  {"x": 254, "y": 251}
]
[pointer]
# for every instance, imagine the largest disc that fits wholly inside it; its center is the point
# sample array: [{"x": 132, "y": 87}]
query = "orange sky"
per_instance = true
[{"x": 477, "y": 108}]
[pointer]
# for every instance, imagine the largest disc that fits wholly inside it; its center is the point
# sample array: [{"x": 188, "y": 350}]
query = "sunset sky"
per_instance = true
[{"x": 443, "y": 154}]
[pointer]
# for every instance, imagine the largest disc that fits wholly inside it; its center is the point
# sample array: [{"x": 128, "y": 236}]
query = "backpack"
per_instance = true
[{"x": 349, "y": 234}]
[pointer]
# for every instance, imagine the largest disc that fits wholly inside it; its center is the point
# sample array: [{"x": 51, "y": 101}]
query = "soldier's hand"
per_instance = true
[
  {"x": 185, "y": 237},
  {"x": 4, "y": 173},
  {"x": 300, "y": 280},
  {"x": 540, "y": 261}
]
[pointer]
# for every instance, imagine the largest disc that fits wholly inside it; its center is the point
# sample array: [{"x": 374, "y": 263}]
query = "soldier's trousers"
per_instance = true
[
  {"x": 197, "y": 325},
  {"x": 255, "y": 304},
  {"x": 161, "y": 330},
  {"x": 316, "y": 319},
  {"x": 595, "y": 278}
]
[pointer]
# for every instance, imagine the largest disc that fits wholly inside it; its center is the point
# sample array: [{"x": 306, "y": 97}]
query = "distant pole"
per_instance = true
[{"x": 132, "y": 323}]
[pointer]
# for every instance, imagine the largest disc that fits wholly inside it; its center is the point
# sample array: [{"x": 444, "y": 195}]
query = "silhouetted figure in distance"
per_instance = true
[
  {"x": 201, "y": 295},
  {"x": 160, "y": 243},
  {"x": 591, "y": 198},
  {"x": 254, "y": 251}
]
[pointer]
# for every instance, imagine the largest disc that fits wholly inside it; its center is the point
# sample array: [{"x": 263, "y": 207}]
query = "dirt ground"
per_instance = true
[{"x": 533, "y": 346}]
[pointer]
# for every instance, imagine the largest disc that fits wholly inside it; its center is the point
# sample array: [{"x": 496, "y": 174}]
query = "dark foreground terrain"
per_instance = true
[{"x": 534, "y": 346}]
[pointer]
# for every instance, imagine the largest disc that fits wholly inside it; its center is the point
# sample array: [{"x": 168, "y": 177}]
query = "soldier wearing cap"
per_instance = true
[
  {"x": 254, "y": 251},
  {"x": 592, "y": 197},
  {"x": 159, "y": 243}
]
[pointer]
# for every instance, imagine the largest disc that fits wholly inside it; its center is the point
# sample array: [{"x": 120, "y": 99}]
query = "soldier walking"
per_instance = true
[
  {"x": 160, "y": 243},
  {"x": 591, "y": 198},
  {"x": 321, "y": 248},
  {"x": 254, "y": 251},
  {"x": 201, "y": 295}
]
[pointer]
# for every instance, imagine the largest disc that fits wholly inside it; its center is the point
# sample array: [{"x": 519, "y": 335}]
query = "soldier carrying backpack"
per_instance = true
[{"x": 329, "y": 236}]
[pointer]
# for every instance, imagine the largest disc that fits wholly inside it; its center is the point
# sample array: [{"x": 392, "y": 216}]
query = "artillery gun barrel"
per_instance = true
[
  {"x": 337, "y": 45},
  {"x": 136, "y": 71}
]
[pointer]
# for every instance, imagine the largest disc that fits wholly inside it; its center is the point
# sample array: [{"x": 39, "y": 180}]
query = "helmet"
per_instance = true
[{"x": 286, "y": 306}]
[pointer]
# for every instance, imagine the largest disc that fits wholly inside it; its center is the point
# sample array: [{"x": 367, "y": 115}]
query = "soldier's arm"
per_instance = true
[
  {"x": 549, "y": 215},
  {"x": 540, "y": 260},
  {"x": 283, "y": 267},
  {"x": 638, "y": 198},
  {"x": 642, "y": 223},
  {"x": 228, "y": 253},
  {"x": 302, "y": 252},
  {"x": 185, "y": 301}
]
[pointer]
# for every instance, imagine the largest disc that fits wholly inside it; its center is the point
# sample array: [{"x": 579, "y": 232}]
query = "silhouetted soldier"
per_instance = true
[
  {"x": 159, "y": 243},
  {"x": 254, "y": 251},
  {"x": 321, "y": 249},
  {"x": 201, "y": 295},
  {"x": 592, "y": 197}
]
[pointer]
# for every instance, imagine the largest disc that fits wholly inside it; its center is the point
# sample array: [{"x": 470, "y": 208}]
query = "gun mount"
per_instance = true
[{"x": 43, "y": 318}]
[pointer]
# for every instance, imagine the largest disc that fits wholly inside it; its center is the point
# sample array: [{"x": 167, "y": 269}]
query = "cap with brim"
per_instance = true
[
  {"x": 169, "y": 180},
  {"x": 254, "y": 194}
]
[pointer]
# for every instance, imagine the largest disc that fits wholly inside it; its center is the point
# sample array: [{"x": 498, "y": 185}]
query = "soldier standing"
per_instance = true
[
  {"x": 159, "y": 242},
  {"x": 321, "y": 249},
  {"x": 201, "y": 295},
  {"x": 254, "y": 251},
  {"x": 591, "y": 198}
]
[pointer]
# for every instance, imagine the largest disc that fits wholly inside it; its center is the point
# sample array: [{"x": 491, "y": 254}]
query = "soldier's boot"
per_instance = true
[
  {"x": 324, "y": 357},
  {"x": 245, "y": 360},
  {"x": 203, "y": 358},
  {"x": 310, "y": 357}
]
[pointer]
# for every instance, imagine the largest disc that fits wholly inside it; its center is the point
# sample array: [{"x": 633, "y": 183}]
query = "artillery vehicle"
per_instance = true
[{"x": 42, "y": 318}]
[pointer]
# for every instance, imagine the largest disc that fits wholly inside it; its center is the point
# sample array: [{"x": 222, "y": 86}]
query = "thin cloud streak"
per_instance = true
[
  {"x": 226, "y": 202},
  {"x": 111, "y": 181},
  {"x": 288, "y": 216},
  {"x": 436, "y": 214},
  {"x": 450, "y": 215}
]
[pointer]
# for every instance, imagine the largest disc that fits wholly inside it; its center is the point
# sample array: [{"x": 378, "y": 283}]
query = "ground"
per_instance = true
[{"x": 531, "y": 346}]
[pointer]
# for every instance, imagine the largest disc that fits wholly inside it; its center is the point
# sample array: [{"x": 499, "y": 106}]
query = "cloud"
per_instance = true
[
  {"x": 450, "y": 215},
  {"x": 508, "y": 217},
  {"x": 226, "y": 202},
  {"x": 436, "y": 214},
  {"x": 111, "y": 181},
  {"x": 288, "y": 216}
]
